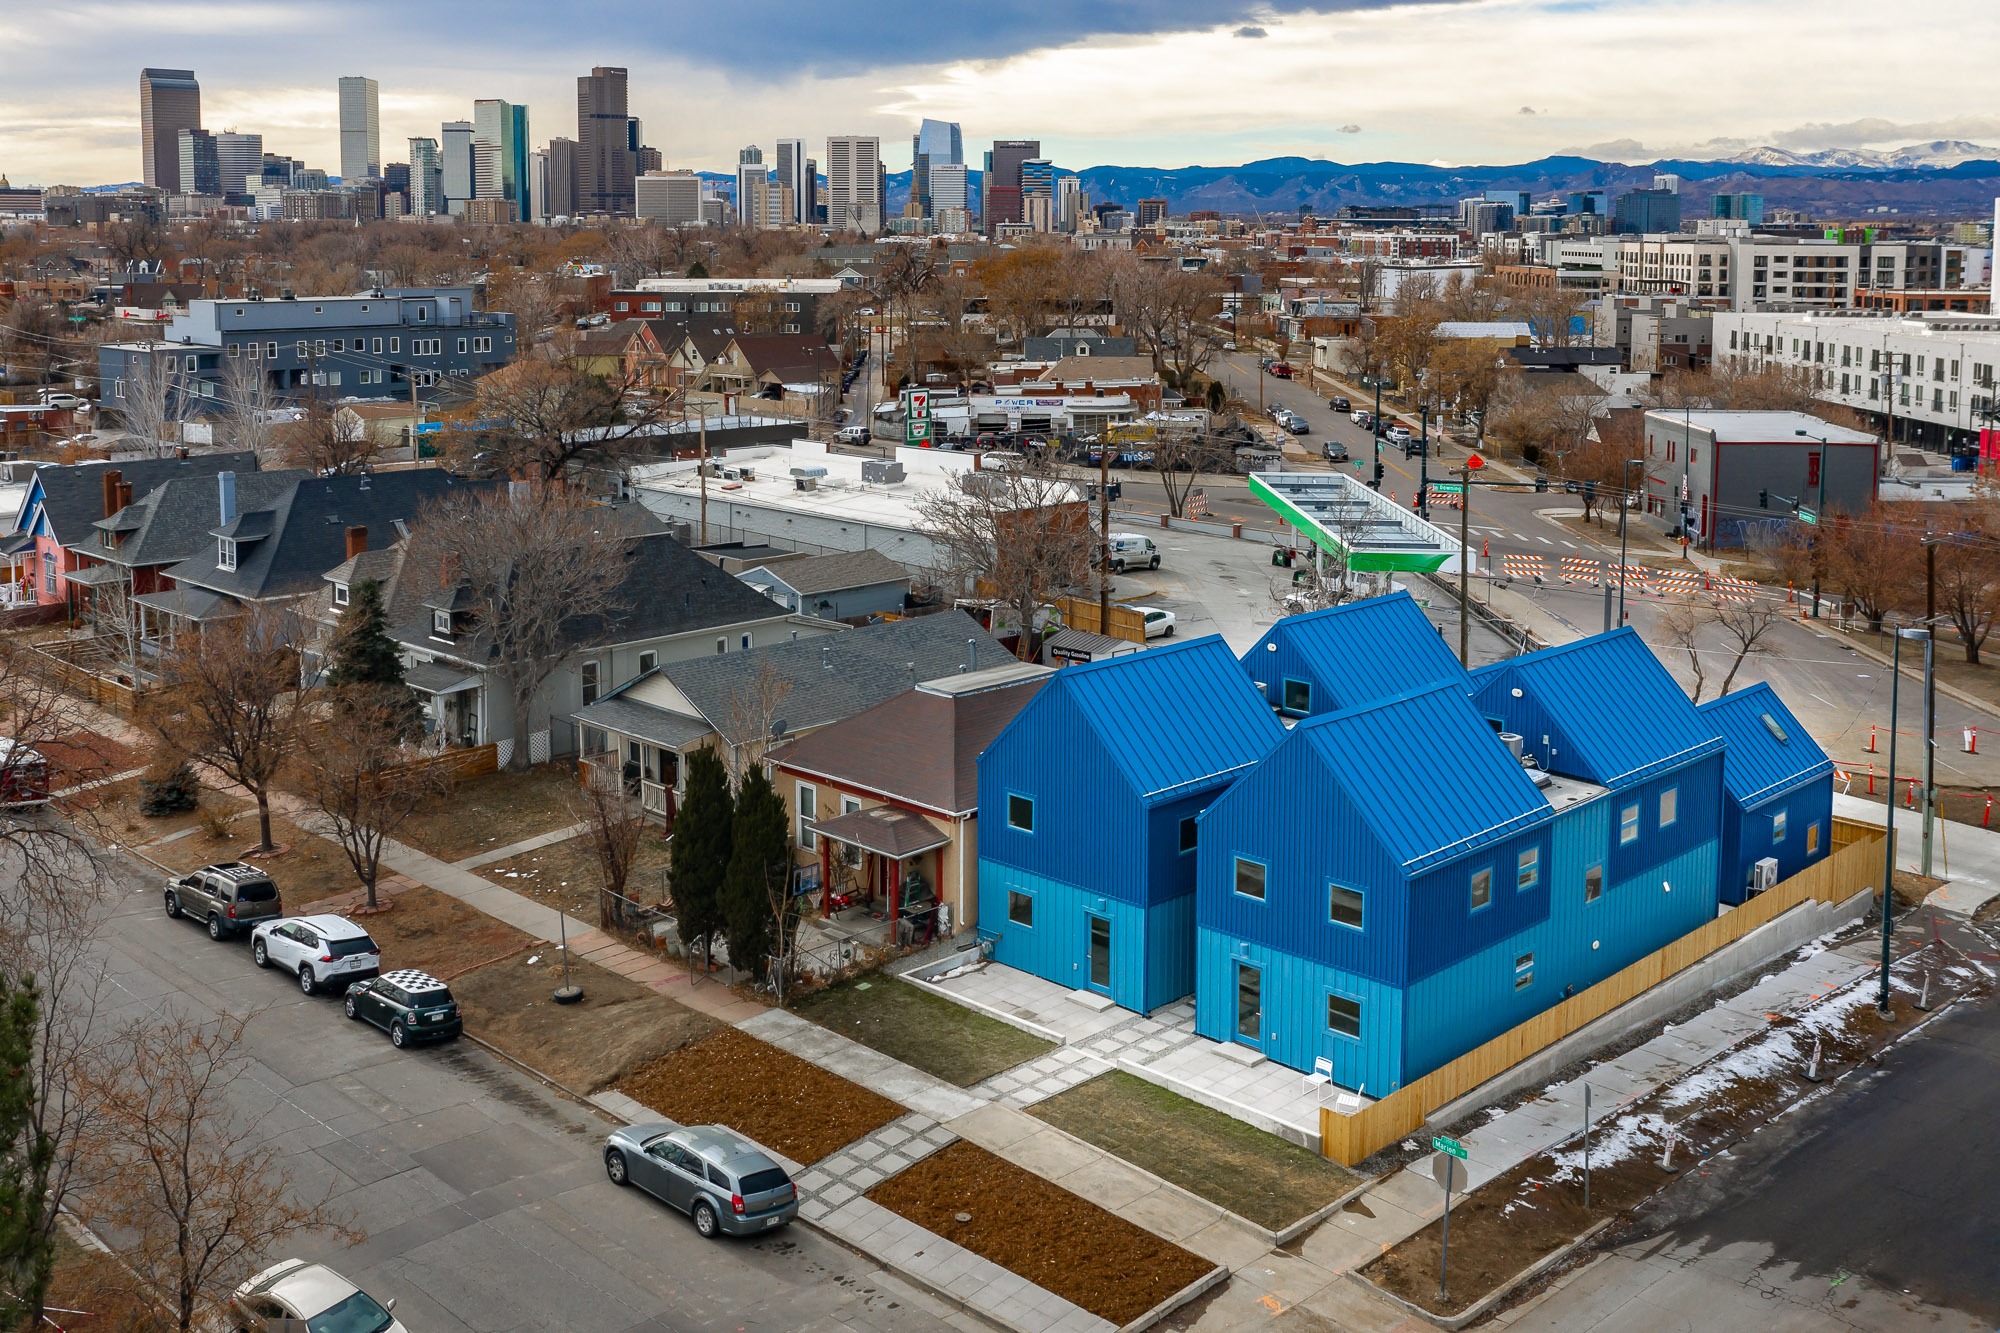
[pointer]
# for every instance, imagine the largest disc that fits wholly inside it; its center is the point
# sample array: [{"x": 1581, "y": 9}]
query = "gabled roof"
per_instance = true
[
  {"x": 834, "y": 573},
  {"x": 1620, "y": 717},
  {"x": 71, "y": 496},
  {"x": 1174, "y": 719},
  {"x": 1768, "y": 748},
  {"x": 828, "y": 677},
  {"x": 784, "y": 353},
  {"x": 303, "y": 530},
  {"x": 177, "y": 518},
  {"x": 1364, "y": 651},
  {"x": 919, "y": 747},
  {"x": 1459, "y": 787}
]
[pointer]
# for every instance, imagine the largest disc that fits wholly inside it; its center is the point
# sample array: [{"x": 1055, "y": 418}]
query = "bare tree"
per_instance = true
[
  {"x": 556, "y": 410},
  {"x": 754, "y": 708},
  {"x": 327, "y": 442},
  {"x": 1181, "y": 456},
  {"x": 154, "y": 398},
  {"x": 538, "y": 569},
  {"x": 356, "y": 772},
  {"x": 1022, "y": 533},
  {"x": 614, "y": 826},
  {"x": 230, "y": 698},
  {"x": 1968, "y": 578},
  {"x": 1684, "y": 624},
  {"x": 1744, "y": 626},
  {"x": 1323, "y": 578},
  {"x": 252, "y": 418},
  {"x": 197, "y": 1189}
]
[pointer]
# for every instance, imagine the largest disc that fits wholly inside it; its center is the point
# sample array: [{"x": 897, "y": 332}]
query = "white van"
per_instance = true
[{"x": 1130, "y": 550}]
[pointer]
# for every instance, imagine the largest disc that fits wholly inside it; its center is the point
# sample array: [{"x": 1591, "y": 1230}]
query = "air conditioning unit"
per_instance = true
[
  {"x": 1512, "y": 740},
  {"x": 805, "y": 483},
  {"x": 1763, "y": 875},
  {"x": 881, "y": 471}
]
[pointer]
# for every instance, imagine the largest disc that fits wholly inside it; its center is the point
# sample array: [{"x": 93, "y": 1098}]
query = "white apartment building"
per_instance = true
[
  {"x": 854, "y": 182},
  {"x": 1928, "y": 379},
  {"x": 672, "y": 197}
]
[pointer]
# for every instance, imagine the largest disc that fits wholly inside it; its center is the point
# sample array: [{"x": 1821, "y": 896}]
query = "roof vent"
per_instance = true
[{"x": 826, "y": 656}]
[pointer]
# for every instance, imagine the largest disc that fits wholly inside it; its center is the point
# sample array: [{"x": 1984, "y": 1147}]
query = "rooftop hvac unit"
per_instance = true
[
  {"x": 1512, "y": 740},
  {"x": 881, "y": 471},
  {"x": 806, "y": 483},
  {"x": 1763, "y": 875}
]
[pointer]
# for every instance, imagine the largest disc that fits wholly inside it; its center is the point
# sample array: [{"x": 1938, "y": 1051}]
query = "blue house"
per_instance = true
[
  {"x": 1346, "y": 656},
  {"x": 1088, "y": 805},
  {"x": 1777, "y": 790},
  {"x": 1394, "y": 885}
]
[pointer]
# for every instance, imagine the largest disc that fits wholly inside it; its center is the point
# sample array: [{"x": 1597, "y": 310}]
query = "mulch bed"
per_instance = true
[
  {"x": 781, "y": 1101},
  {"x": 85, "y": 756},
  {"x": 1528, "y": 1213},
  {"x": 1040, "y": 1231}
]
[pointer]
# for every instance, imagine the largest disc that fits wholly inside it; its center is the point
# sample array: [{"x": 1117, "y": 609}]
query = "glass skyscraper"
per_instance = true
[{"x": 936, "y": 143}]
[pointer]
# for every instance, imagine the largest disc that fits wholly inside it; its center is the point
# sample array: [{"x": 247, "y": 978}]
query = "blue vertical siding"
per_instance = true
[
  {"x": 1294, "y": 992},
  {"x": 1747, "y": 834},
  {"x": 1152, "y": 950},
  {"x": 1444, "y": 925}
]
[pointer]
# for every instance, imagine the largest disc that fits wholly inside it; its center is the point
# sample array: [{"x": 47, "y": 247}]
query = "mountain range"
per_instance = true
[{"x": 1937, "y": 153}]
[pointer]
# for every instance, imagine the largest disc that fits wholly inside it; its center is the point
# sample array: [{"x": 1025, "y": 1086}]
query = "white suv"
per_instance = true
[{"x": 318, "y": 949}]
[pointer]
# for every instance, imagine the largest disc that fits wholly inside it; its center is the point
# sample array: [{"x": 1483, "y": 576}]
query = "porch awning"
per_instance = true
[
  {"x": 190, "y": 603},
  {"x": 643, "y": 722},
  {"x": 887, "y": 832},
  {"x": 437, "y": 678},
  {"x": 96, "y": 576}
]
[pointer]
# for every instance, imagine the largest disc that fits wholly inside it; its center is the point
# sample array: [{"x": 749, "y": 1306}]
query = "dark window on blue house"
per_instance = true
[
  {"x": 1020, "y": 908},
  {"x": 1250, "y": 879},
  {"x": 1343, "y": 1016},
  {"x": 1482, "y": 888},
  {"x": 1593, "y": 884},
  {"x": 1188, "y": 833},
  {"x": 1298, "y": 696},
  {"x": 1778, "y": 827},
  {"x": 1021, "y": 813},
  {"x": 1344, "y": 906},
  {"x": 1524, "y": 971}
]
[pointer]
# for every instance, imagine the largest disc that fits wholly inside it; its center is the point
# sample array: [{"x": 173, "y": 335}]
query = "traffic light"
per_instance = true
[
  {"x": 1763, "y": 499},
  {"x": 1377, "y": 482}
]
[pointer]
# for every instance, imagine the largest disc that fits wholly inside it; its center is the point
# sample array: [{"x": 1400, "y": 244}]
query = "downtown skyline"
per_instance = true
[{"x": 1169, "y": 85}]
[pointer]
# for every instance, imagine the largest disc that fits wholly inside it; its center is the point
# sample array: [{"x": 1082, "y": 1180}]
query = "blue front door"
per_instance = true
[
  {"x": 1249, "y": 1005},
  {"x": 1100, "y": 954}
]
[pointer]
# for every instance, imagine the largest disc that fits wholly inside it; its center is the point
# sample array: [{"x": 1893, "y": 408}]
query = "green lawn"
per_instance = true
[
  {"x": 941, "y": 1038},
  {"x": 1255, "y": 1175}
]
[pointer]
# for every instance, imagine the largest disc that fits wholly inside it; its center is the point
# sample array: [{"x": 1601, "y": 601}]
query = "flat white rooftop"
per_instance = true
[{"x": 838, "y": 492}]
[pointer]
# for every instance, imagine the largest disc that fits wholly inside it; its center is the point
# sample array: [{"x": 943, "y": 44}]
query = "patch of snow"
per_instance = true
[{"x": 1627, "y": 1138}]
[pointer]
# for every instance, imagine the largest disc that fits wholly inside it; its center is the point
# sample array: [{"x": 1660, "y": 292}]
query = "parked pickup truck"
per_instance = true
[{"x": 229, "y": 897}]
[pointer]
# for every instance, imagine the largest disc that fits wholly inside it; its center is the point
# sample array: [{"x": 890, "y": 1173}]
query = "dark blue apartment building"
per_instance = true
[
  {"x": 1088, "y": 806},
  {"x": 371, "y": 345},
  {"x": 1326, "y": 661},
  {"x": 1777, "y": 792}
]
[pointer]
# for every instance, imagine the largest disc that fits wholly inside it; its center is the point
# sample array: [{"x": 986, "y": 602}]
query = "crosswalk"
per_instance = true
[{"x": 1638, "y": 580}]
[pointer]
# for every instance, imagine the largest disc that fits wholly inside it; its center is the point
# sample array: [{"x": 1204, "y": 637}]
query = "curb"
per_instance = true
[
  {"x": 1479, "y": 1308},
  {"x": 1216, "y": 1277}
]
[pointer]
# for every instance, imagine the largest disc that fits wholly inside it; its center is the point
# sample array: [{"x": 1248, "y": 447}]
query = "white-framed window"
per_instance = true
[
  {"x": 423, "y": 314},
  {"x": 225, "y": 553},
  {"x": 807, "y": 802},
  {"x": 441, "y": 624},
  {"x": 461, "y": 347},
  {"x": 722, "y": 645},
  {"x": 587, "y": 671},
  {"x": 1345, "y": 906},
  {"x": 1528, "y": 869},
  {"x": 746, "y": 643},
  {"x": 340, "y": 344},
  {"x": 1670, "y": 806},
  {"x": 850, "y": 853},
  {"x": 234, "y": 351},
  {"x": 482, "y": 344},
  {"x": 395, "y": 346},
  {"x": 648, "y": 660},
  {"x": 340, "y": 594},
  {"x": 319, "y": 347},
  {"x": 377, "y": 347},
  {"x": 1628, "y": 824},
  {"x": 254, "y": 349},
  {"x": 270, "y": 351},
  {"x": 1250, "y": 878},
  {"x": 1482, "y": 888}
]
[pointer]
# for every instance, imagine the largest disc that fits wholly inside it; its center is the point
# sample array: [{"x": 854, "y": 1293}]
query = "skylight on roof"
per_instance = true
[{"x": 1776, "y": 728}]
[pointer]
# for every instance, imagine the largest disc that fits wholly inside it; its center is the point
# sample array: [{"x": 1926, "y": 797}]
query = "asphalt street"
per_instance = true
[
  {"x": 482, "y": 1193},
  {"x": 1868, "y": 1209}
]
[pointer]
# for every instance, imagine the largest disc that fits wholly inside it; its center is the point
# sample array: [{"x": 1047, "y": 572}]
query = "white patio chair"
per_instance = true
[
  {"x": 1319, "y": 1080},
  {"x": 1349, "y": 1103}
]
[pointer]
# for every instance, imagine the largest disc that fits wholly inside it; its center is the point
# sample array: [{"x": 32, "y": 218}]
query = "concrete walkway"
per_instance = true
[
  {"x": 514, "y": 849},
  {"x": 1967, "y": 857}
]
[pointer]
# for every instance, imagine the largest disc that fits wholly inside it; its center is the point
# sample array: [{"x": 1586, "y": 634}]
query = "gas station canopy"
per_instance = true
[{"x": 1340, "y": 514}]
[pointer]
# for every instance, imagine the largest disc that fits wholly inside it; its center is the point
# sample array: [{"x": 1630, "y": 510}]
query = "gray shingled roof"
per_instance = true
[
  {"x": 837, "y": 572},
  {"x": 835, "y": 676},
  {"x": 73, "y": 494},
  {"x": 643, "y": 722}
]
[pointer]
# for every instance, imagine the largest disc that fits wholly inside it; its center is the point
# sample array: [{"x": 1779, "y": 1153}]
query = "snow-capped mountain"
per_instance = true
[{"x": 1940, "y": 154}]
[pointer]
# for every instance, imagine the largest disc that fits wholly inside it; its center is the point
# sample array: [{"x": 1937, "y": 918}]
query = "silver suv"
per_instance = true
[
  {"x": 317, "y": 949},
  {"x": 712, "y": 1173},
  {"x": 230, "y": 897}
]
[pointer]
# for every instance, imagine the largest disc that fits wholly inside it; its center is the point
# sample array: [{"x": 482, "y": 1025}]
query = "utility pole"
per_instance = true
[
  {"x": 1104, "y": 530},
  {"x": 1424, "y": 464},
  {"x": 1931, "y": 543},
  {"x": 1465, "y": 560},
  {"x": 702, "y": 469}
]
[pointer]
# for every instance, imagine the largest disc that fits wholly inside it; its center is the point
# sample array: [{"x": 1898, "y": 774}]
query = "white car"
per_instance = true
[
  {"x": 853, "y": 435},
  {"x": 1159, "y": 624},
  {"x": 57, "y": 398},
  {"x": 317, "y": 949},
  {"x": 296, "y": 1294}
]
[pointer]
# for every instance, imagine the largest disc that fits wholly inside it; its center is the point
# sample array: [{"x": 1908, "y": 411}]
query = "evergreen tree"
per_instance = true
[
  {"x": 703, "y": 835},
  {"x": 364, "y": 659},
  {"x": 697, "y": 270},
  {"x": 27, "y": 1251},
  {"x": 760, "y": 863}
]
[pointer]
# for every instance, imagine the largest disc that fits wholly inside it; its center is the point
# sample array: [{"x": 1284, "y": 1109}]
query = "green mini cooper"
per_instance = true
[{"x": 412, "y": 1005}]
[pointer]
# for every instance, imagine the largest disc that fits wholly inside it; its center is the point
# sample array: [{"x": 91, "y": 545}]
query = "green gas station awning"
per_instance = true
[{"x": 1342, "y": 515}]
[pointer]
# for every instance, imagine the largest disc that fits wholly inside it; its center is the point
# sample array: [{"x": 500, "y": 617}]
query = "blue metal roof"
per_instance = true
[
  {"x": 1372, "y": 649},
  {"x": 1620, "y": 715},
  {"x": 1757, "y": 763},
  {"x": 1175, "y": 718},
  {"x": 1428, "y": 774}
]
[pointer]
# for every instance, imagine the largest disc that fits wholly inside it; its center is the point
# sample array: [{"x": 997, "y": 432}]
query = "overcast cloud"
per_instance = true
[{"x": 1137, "y": 82}]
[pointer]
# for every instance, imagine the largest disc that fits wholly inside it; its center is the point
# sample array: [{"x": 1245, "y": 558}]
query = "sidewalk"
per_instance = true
[{"x": 1967, "y": 857}]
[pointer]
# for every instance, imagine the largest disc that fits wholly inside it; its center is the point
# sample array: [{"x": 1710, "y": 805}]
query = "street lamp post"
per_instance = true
[
  {"x": 1424, "y": 463},
  {"x": 1889, "y": 841},
  {"x": 1624, "y": 495},
  {"x": 1819, "y": 511},
  {"x": 1930, "y": 545}
]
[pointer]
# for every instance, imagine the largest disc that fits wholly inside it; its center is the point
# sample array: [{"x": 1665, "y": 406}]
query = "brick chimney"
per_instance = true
[
  {"x": 124, "y": 494},
  {"x": 357, "y": 541},
  {"x": 112, "y": 478}
]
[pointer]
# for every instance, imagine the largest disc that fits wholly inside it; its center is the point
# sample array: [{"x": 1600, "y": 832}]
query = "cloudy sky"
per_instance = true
[{"x": 1131, "y": 82}]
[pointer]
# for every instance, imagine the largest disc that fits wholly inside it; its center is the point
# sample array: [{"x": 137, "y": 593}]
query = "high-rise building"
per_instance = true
[
  {"x": 672, "y": 197},
  {"x": 936, "y": 143},
  {"x": 1748, "y": 207},
  {"x": 169, "y": 102},
  {"x": 200, "y": 169},
  {"x": 791, "y": 172},
  {"x": 360, "y": 128},
  {"x": 561, "y": 200},
  {"x": 1647, "y": 212},
  {"x": 1000, "y": 186},
  {"x": 1070, "y": 202},
  {"x": 426, "y": 178},
  {"x": 538, "y": 184},
  {"x": 811, "y": 207},
  {"x": 948, "y": 188},
  {"x": 1038, "y": 181},
  {"x": 753, "y": 190},
  {"x": 240, "y": 161},
  {"x": 648, "y": 159},
  {"x": 606, "y": 137},
  {"x": 854, "y": 182},
  {"x": 500, "y": 152},
  {"x": 456, "y": 149},
  {"x": 1151, "y": 212}
]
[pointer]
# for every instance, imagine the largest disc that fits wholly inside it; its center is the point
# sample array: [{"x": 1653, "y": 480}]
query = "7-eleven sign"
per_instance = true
[{"x": 917, "y": 427}]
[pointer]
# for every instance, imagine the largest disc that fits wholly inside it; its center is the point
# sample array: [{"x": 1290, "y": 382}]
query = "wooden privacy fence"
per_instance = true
[
  {"x": 66, "y": 675},
  {"x": 1854, "y": 865},
  {"x": 472, "y": 762},
  {"x": 1081, "y": 613}
]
